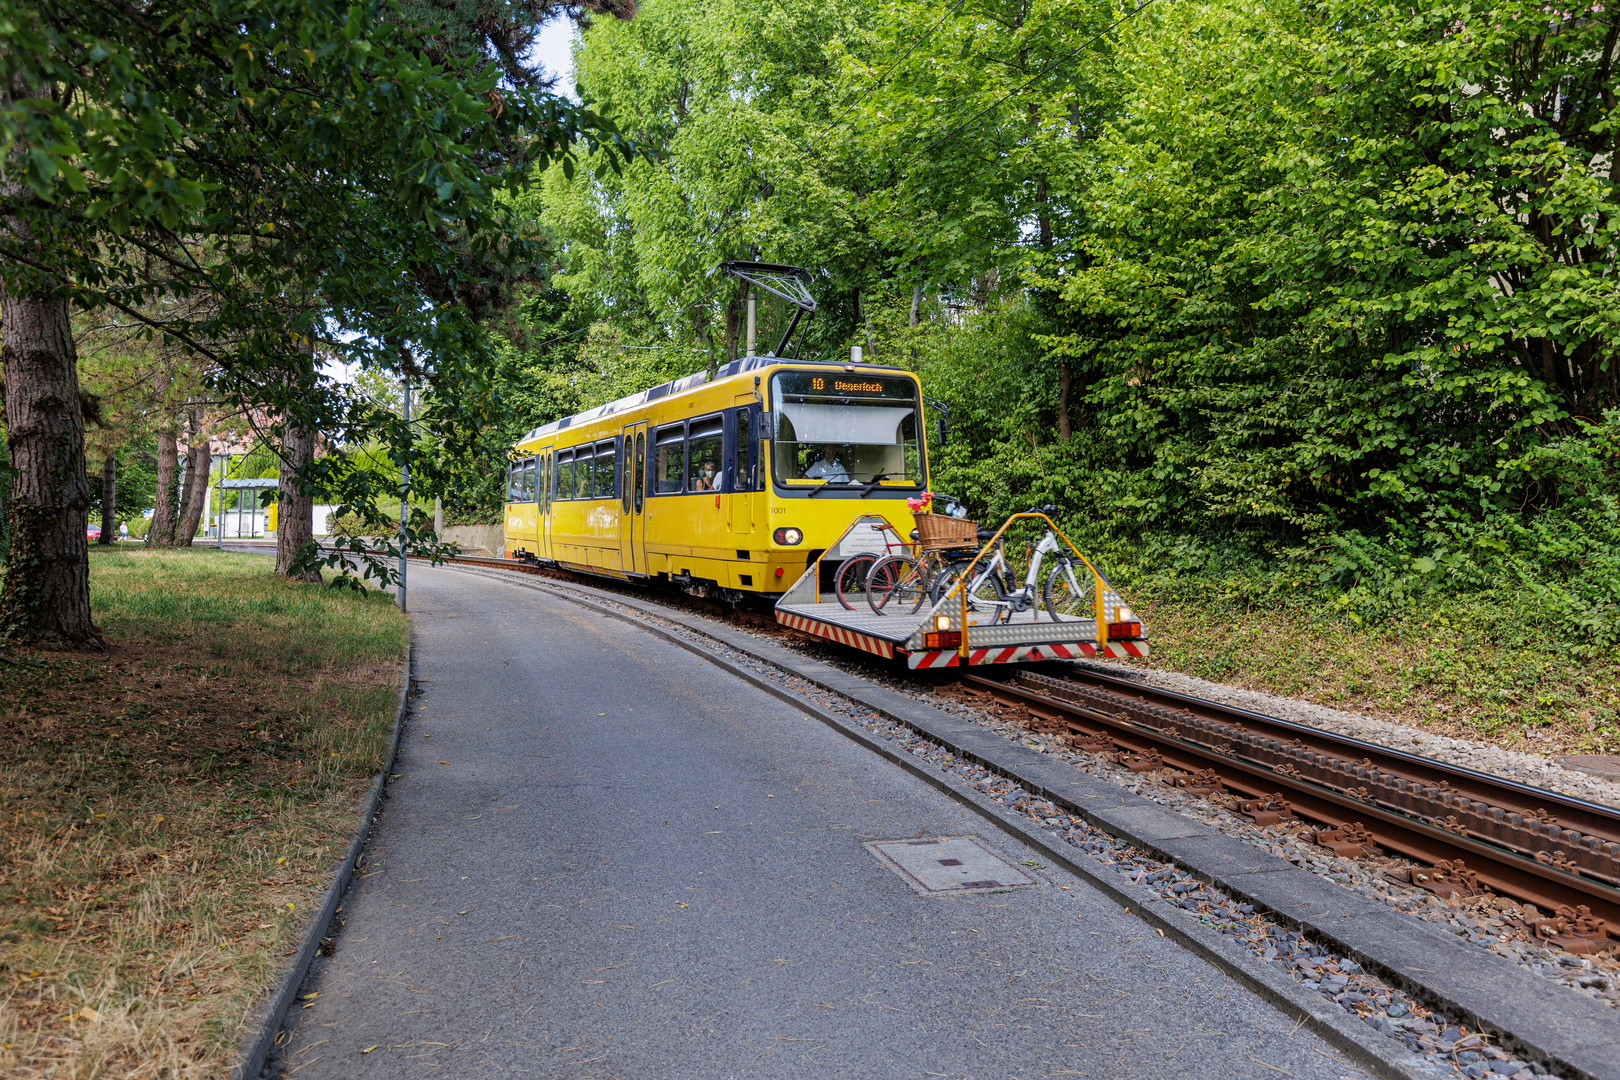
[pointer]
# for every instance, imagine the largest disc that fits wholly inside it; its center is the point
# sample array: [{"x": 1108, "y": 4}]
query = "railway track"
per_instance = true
[{"x": 1473, "y": 832}]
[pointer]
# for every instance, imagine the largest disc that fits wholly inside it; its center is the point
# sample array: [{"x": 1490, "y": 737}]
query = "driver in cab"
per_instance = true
[{"x": 828, "y": 468}]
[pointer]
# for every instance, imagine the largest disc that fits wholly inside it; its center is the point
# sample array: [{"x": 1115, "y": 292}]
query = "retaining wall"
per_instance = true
[{"x": 476, "y": 539}]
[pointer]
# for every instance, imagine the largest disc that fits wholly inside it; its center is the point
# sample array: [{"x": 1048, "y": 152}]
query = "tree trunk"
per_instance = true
[
  {"x": 916, "y": 312},
  {"x": 197, "y": 468},
  {"x": 1064, "y": 380},
  {"x": 109, "y": 497},
  {"x": 161, "y": 534},
  {"x": 734, "y": 320},
  {"x": 47, "y": 573},
  {"x": 295, "y": 511},
  {"x": 188, "y": 490}
]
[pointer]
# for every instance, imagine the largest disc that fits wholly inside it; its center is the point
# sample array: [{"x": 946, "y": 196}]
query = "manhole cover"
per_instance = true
[
  {"x": 949, "y": 864},
  {"x": 1604, "y": 765}
]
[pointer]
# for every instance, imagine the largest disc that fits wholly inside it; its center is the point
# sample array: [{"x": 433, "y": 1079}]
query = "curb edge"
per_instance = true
[{"x": 255, "y": 1049}]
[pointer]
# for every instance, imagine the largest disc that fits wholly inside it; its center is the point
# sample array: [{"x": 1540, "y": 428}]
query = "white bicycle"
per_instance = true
[{"x": 1068, "y": 592}]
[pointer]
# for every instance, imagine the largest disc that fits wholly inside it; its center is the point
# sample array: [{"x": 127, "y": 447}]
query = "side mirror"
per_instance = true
[{"x": 942, "y": 420}]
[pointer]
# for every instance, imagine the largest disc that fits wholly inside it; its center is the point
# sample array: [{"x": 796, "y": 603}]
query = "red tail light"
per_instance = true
[
  {"x": 942, "y": 639},
  {"x": 1124, "y": 629}
]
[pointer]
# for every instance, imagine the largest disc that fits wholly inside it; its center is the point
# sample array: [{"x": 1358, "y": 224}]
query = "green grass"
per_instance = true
[
  {"x": 173, "y": 808},
  {"x": 1469, "y": 668}
]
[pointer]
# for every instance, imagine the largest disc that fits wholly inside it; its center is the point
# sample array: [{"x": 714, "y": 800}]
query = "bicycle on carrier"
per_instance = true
[
  {"x": 854, "y": 584},
  {"x": 850, "y": 583},
  {"x": 903, "y": 581}
]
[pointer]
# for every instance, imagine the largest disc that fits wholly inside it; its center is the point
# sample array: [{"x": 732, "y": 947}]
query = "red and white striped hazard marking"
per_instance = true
[
  {"x": 837, "y": 633},
  {"x": 1023, "y": 654}
]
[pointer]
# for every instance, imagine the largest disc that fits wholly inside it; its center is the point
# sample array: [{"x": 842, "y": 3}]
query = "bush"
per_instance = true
[{"x": 474, "y": 516}]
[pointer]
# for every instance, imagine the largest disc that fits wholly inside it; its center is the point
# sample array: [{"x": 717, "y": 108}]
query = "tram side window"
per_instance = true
[
  {"x": 703, "y": 454},
  {"x": 584, "y": 472},
  {"x": 669, "y": 463},
  {"x": 514, "y": 480},
  {"x": 605, "y": 462},
  {"x": 565, "y": 475},
  {"x": 531, "y": 485},
  {"x": 786, "y": 444},
  {"x": 743, "y": 465}
]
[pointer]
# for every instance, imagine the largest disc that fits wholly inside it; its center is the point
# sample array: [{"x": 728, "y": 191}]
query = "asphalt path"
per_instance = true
[{"x": 603, "y": 857}]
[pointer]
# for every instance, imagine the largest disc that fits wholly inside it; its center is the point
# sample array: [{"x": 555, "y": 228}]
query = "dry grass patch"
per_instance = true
[
  {"x": 170, "y": 811},
  {"x": 1447, "y": 672}
]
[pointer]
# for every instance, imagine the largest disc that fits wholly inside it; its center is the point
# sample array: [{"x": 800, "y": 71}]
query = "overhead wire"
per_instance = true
[{"x": 889, "y": 71}]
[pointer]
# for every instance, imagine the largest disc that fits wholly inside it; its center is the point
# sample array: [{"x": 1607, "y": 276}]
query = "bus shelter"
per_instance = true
[{"x": 244, "y": 518}]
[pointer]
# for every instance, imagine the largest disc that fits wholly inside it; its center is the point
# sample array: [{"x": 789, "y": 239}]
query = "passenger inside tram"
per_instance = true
[{"x": 704, "y": 451}]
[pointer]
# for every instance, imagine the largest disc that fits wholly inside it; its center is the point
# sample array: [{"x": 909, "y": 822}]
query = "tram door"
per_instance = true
[
  {"x": 744, "y": 467},
  {"x": 548, "y": 484},
  {"x": 632, "y": 498}
]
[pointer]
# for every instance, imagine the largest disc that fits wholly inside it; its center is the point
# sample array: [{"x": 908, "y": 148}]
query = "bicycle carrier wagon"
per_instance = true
[{"x": 935, "y": 634}]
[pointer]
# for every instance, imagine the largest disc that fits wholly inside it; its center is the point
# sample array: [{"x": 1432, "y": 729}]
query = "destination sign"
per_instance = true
[{"x": 839, "y": 385}]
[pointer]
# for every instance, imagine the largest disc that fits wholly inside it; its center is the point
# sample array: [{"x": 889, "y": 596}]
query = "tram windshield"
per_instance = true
[{"x": 833, "y": 428}]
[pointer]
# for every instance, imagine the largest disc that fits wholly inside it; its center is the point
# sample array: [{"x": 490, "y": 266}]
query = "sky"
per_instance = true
[{"x": 554, "y": 51}]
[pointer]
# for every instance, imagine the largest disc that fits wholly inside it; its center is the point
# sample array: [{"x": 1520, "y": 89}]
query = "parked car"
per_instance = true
[{"x": 93, "y": 532}]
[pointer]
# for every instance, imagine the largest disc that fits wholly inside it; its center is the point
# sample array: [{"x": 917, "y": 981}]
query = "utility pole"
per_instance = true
[
  {"x": 404, "y": 489},
  {"x": 752, "y": 301},
  {"x": 219, "y": 519}
]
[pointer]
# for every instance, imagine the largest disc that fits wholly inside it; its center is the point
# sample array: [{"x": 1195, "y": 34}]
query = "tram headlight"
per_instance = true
[{"x": 788, "y": 537}]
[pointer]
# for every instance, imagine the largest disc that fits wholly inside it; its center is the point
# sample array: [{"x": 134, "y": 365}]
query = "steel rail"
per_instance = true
[{"x": 1502, "y": 830}]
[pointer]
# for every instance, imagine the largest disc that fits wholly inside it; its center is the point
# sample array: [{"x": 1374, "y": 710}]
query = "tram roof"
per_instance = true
[{"x": 677, "y": 386}]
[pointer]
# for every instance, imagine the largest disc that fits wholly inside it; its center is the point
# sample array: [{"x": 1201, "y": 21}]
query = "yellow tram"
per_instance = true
[{"x": 727, "y": 486}]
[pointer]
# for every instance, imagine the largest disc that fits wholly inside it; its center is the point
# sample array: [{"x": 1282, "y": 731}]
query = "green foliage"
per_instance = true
[
  {"x": 245, "y": 177},
  {"x": 1321, "y": 293},
  {"x": 136, "y": 488}
]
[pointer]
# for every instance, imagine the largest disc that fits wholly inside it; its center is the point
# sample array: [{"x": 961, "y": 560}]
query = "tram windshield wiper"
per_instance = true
[
  {"x": 826, "y": 484},
  {"x": 877, "y": 480}
]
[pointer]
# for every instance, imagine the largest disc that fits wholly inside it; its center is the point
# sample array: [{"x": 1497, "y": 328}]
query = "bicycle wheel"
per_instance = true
[
  {"x": 943, "y": 582},
  {"x": 893, "y": 582},
  {"x": 989, "y": 593},
  {"x": 850, "y": 584},
  {"x": 1068, "y": 594}
]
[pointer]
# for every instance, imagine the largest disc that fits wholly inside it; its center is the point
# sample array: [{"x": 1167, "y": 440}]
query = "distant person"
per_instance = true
[
  {"x": 705, "y": 477},
  {"x": 123, "y": 530},
  {"x": 828, "y": 468}
]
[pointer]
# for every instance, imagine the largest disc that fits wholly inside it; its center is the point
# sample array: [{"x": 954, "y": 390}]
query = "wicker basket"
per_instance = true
[{"x": 940, "y": 532}]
